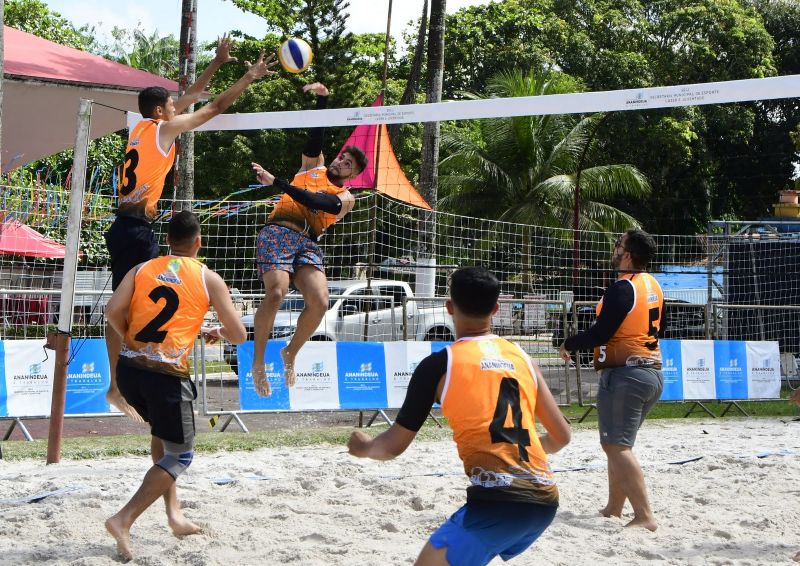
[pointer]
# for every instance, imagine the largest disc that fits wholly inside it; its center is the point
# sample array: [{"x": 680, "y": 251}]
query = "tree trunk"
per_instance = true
[
  {"x": 426, "y": 256},
  {"x": 409, "y": 95},
  {"x": 187, "y": 62}
]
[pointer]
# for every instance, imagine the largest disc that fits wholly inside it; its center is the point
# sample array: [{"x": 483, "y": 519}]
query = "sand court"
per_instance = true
[{"x": 737, "y": 502}]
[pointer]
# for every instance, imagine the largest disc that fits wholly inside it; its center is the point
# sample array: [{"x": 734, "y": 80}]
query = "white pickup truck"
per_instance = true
[{"x": 358, "y": 311}]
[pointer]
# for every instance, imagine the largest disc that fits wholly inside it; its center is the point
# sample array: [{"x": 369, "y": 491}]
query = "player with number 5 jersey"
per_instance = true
[
  {"x": 625, "y": 342},
  {"x": 493, "y": 395}
]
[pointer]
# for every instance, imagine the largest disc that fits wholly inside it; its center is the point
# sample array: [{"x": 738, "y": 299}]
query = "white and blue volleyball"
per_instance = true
[{"x": 295, "y": 55}]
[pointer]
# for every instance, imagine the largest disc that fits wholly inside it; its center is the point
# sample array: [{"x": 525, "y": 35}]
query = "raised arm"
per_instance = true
[
  {"x": 195, "y": 91},
  {"x": 312, "y": 153},
  {"x": 171, "y": 129}
]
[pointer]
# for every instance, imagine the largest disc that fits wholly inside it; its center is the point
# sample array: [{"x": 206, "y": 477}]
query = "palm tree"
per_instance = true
[
  {"x": 525, "y": 169},
  {"x": 155, "y": 54}
]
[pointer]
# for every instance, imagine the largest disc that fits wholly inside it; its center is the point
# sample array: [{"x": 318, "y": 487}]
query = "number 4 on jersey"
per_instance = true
[{"x": 508, "y": 398}]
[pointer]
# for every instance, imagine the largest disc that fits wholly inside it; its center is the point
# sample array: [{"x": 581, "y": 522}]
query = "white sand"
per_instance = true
[{"x": 320, "y": 506}]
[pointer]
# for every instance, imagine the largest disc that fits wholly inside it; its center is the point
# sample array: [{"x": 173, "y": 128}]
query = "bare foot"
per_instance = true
[
  {"x": 605, "y": 512},
  {"x": 648, "y": 523},
  {"x": 122, "y": 536},
  {"x": 181, "y": 526},
  {"x": 288, "y": 367},
  {"x": 796, "y": 557},
  {"x": 114, "y": 397},
  {"x": 260, "y": 381}
]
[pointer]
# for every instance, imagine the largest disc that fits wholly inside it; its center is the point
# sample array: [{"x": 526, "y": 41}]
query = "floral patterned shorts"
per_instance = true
[{"x": 282, "y": 249}]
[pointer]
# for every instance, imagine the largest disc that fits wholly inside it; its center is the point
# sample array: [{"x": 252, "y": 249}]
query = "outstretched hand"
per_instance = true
[
  {"x": 262, "y": 175},
  {"x": 317, "y": 88},
  {"x": 223, "y": 55},
  {"x": 261, "y": 67}
]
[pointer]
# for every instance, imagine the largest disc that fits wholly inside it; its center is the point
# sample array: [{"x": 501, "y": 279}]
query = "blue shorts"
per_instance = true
[
  {"x": 481, "y": 530},
  {"x": 282, "y": 249}
]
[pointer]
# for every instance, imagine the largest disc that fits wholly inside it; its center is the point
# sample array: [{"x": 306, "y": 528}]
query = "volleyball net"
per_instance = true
[{"x": 735, "y": 281}]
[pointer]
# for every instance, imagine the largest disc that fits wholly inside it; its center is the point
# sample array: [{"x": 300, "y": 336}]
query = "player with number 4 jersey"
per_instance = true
[{"x": 492, "y": 394}]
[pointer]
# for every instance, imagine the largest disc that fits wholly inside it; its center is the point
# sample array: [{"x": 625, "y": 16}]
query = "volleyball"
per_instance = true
[{"x": 295, "y": 55}]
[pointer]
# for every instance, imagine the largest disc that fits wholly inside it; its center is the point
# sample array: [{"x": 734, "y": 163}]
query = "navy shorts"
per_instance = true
[
  {"x": 282, "y": 249},
  {"x": 130, "y": 241},
  {"x": 164, "y": 401},
  {"x": 624, "y": 398},
  {"x": 481, "y": 530}
]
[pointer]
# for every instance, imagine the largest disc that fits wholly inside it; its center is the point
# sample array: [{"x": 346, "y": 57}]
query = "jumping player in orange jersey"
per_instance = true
[
  {"x": 149, "y": 157},
  {"x": 158, "y": 309},
  {"x": 626, "y": 352},
  {"x": 287, "y": 250},
  {"x": 492, "y": 394}
]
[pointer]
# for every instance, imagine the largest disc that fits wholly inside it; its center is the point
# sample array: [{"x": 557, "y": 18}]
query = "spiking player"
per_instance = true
[{"x": 287, "y": 251}]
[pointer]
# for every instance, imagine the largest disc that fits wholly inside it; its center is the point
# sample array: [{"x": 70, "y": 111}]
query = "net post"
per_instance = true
[{"x": 68, "y": 282}]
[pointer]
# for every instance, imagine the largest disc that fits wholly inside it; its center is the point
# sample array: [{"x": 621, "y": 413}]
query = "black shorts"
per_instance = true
[
  {"x": 130, "y": 241},
  {"x": 164, "y": 401}
]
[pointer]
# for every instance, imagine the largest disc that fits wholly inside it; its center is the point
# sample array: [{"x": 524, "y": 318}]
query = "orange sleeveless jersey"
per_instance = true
[
  {"x": 169, "y": 302},
  {"x": 146, "y": 168},
  {"x": 635, "y": 343},
  {"x": 314, "y": 180},
  {"x": 489, "y": 399}
]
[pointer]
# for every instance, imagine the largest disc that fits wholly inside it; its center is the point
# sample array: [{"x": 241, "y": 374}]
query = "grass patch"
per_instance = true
[{"x": 94, "y": 447}]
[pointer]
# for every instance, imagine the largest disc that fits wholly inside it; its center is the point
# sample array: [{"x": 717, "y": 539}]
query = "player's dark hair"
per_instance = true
[
  {"x": 151, "y": 97},
  {"x": 641, "y": 246},
  {"x": 358, "y": 156},
  {"x": 474, "y": 290},
  {"x": 183, "y": 228}
]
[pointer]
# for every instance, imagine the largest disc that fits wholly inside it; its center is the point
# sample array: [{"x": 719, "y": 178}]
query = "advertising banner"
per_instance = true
[
  {"x": 672, "y": 368},
  {"x": 697, "y": 357}
]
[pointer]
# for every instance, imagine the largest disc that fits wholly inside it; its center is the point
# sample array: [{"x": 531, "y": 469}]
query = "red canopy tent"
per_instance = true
[{"x": 17, "y": 238}]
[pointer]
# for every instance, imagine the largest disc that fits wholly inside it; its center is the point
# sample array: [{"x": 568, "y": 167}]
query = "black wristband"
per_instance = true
[{"x": 322, "y": 102}]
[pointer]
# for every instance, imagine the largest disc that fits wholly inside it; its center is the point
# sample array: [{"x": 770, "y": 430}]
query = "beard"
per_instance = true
[{"x": 334, "y": 178}]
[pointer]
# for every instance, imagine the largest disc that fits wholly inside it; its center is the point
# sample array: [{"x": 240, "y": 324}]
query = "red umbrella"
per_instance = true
[{"x": 17, "y": 238}]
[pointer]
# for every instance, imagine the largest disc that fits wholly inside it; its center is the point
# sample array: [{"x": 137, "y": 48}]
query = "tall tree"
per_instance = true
[
  {"x": 184, "y": 165},
  {"x": 153, "y": 53},
  {"x": 525, "y": 169},
  {"x": 33, "y": 16},
  {"x": 429, "y": 172}
]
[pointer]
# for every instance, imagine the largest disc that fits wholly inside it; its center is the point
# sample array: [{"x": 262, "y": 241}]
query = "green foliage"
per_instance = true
[
  {"x": 33, "y": 16},
  {"x": 152, "y": 53},
  {"x": 526, "y": 169}
]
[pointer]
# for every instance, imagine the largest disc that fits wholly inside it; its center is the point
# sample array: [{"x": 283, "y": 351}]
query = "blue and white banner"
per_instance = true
[
  {"x": 697, "y": 360},
  {"x": 28, "y": 370},
  {"x": 27, "y": 386},
  {"x": 672, "y": 368},
  {"x": 248, "y": 398},
  {"x": 763, "y": 370},
  {"x": 731, "y": 370}
]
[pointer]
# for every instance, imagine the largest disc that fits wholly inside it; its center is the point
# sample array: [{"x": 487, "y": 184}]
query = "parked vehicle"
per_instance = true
[
  {"x": 356, "y": 313},
  {"x": 681, "y": 323}
]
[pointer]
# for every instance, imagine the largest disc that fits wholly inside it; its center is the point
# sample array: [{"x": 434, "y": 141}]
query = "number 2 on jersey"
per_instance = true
[
  {"x": 508, "y": 397},
  {"x": 151, "y": 332}
]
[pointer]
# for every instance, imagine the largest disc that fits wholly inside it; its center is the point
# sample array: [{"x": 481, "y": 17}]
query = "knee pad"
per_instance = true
[{"x": 177, "y": 457}]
